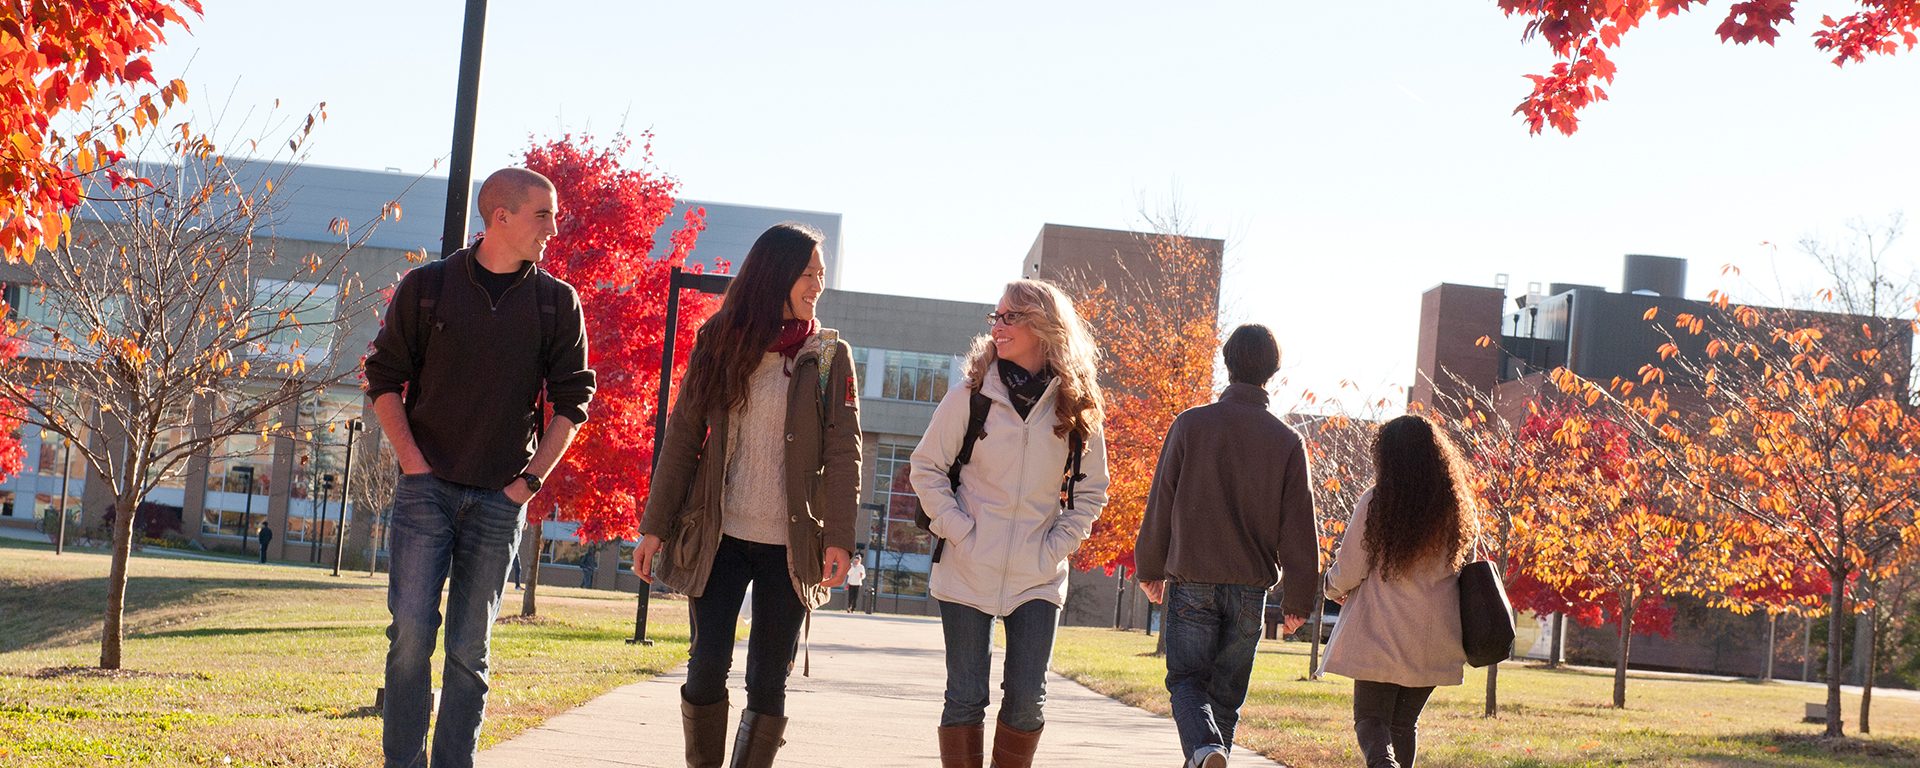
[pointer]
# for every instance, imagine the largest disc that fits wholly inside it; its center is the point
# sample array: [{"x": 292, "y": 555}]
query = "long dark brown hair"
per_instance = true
[
  {"x": 1422, "y": 505},
  {"x": 730, "y": 344}
]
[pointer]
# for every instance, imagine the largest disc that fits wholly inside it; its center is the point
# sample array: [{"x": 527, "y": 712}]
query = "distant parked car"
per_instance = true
[{"x": 1275, "y": 619}]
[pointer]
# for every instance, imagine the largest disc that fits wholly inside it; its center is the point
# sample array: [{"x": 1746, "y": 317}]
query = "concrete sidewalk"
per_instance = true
[{"x": 873, "y": 700}]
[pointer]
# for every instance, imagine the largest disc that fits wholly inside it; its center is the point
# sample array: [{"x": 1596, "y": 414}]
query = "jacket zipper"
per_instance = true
[{"x": 472, "y": 259}]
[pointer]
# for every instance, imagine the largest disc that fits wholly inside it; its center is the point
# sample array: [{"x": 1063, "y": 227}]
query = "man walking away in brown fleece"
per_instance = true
[{"x": 1230, "y": 513}]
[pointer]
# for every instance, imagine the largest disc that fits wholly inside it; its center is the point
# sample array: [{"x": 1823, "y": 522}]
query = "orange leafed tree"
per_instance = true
[
  {"x": 1804, "y": 433},
  {"x": 1158, "y": 333},
  {"x": 56, "y": 56},
  {"x": 1581, "y": 31}
]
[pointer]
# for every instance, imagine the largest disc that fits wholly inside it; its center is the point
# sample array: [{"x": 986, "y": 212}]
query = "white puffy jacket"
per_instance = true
[{"x": 1008, "y": 536}]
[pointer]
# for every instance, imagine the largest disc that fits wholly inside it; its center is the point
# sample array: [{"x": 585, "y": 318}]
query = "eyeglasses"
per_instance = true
[{"x": 1010, "y": 317}]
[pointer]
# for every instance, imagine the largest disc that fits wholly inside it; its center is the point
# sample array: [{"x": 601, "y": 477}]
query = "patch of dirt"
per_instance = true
[
  {"x": 534, "y": 620},
  {"x": 50, "y": 673},
  {"x": 1844, "y": 745}
]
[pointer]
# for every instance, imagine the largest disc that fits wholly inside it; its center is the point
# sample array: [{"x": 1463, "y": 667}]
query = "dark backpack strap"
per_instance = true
[
  {"x": 546, "y": 291},
  {"x": 1076, "y": 445},
  {"x": 433, "y": 282},
  {"x": 977, "y": 406}
]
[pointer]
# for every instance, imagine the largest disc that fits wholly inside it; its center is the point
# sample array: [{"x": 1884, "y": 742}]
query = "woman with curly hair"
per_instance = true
[
  {"x": 1025, "y": 497},
  {"x": 1396, "y": 576}
]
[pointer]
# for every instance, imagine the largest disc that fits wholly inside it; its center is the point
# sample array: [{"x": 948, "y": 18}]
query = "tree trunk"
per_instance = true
[
  {"x": 1873, "y": 661},
  {"x": 1835, "y": 647},
  {"x": 1557, "y": 650},
  {"x": 1773, "y": 621},
  {"x": 530, "y": 570},
  {"x": 1628, "y": 606},
  {"x": 111, "y": 632},
  {"x": 1493, "y": 691}
]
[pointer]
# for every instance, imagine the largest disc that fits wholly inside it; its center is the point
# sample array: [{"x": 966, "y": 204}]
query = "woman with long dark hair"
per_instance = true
[
  {"x": 1028, "y": 495},
  {"x": 1396, "y": 575},
  {"x": 756, "y": 484}
]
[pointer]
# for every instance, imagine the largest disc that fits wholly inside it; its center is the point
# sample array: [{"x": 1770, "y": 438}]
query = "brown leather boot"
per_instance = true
[
  {"x": 1012, "y": 748},
  {"x": 706, "y": 733},
  {"x": 960, "y": 745},
  {"x": 758, "y": 740}
]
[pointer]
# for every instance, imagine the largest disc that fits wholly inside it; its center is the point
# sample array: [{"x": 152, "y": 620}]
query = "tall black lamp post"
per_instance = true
[
  {"x": 677, "y": 280},
  {"x": 346, "y": 487},
  {"x": 466, "y": 103},
  {"x": 246, "y": 528}
]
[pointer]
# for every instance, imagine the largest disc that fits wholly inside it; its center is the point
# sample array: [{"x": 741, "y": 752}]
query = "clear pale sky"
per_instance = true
[{"x": 1353, "y": 155}]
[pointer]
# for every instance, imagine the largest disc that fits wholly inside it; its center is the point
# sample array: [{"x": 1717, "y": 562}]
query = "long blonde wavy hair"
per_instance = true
[{"x": 1071, "y": 353}]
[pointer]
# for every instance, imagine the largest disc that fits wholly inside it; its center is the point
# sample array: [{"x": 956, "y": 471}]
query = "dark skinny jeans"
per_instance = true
[
  {"x": 1386, "y": 718},
  {"x": 771, "y": 640}
]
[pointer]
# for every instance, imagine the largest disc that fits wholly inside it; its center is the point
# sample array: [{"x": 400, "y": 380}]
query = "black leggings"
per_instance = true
[
  {"x": 1386, "y": 717},
  {"x": 771, "y": 640}
]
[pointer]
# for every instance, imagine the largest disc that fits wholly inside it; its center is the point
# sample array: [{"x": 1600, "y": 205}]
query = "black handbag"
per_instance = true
[{"x": 1486, "y": 617}]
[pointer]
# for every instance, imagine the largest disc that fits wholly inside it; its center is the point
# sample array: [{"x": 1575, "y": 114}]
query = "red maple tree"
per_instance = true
[
  {"x": 55, "y": 58},
  {"x": 610, "y": 212},
  {"x": 1580, "y": 31}
]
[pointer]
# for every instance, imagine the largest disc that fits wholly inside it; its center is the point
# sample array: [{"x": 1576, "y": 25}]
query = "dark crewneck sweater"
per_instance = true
[{"x": 480, "y": 375}]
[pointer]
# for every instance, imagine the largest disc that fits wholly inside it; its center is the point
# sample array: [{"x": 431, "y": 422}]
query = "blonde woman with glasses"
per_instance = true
[{"x": 1009, "y": 505}]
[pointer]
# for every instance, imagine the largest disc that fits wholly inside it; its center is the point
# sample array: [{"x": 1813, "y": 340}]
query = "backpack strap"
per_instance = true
[
  {"x": 977, "y": 406},
  {"x": 1076, "y": 445},
  {"x": 433, "y": 282}
]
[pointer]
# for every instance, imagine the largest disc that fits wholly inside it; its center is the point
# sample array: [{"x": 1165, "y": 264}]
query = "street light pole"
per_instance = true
[
  {"x": 676, "y": 280},
  {"x": 246, "y": 528},
  {"x": 466, "y": 104},
  {"x": 346, "y": 488}
]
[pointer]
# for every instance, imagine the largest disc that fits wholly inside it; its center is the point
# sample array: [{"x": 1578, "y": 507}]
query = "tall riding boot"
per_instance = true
[
  {"x": 1376, "y": 743},
  {"x": 706, "y": 733},
  {"x": 960, "y": 745},
  {"x": 758, "y": 740},
  {"x": 1014, "y": 748}
]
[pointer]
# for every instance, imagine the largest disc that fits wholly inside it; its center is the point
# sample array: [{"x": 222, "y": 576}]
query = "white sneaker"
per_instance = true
[{"x": 1210, "y": 757}]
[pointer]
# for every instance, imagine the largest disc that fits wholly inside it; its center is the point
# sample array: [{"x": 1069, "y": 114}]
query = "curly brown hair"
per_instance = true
[{"x": 1421, "y": 503}]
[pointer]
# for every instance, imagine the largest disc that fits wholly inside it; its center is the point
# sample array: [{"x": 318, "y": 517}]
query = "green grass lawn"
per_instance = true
[
  {"x": 1547, "y": 717},
  {"x": 266, "y": 665}
]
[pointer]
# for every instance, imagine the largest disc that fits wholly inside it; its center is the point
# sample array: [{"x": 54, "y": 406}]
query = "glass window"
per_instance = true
[
  {"x": 303, "y": 314},
  {"x": 915, "y": 376},
  {"x": 901, "y": 550}
]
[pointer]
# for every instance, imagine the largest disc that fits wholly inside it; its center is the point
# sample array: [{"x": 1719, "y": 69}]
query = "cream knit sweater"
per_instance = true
[{"x": 754, "y": 506}]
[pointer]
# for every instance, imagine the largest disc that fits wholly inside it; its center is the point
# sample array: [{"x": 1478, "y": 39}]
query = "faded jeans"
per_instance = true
[
  {"x": 443, "y": 531},
  {"x": 969, "y": 635},
  {"x": 1212, "y": 631}
]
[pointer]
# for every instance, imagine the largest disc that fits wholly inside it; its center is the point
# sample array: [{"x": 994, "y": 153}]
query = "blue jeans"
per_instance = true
[
  {"x": 441, "y": 530},
  {"x": 772, "y": 639},
  {"x": 1212, "y": 631},
  {"x": 969, "y": 632}
]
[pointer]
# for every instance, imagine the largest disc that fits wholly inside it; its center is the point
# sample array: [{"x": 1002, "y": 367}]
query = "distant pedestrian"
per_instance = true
[
  {"x": 478, "y": 342},
  {"x": 1035, "y": 480},
  {"x": 516, "y": 570},
  {"x": 1230, "y": 513},
  {"x": 266, "y": 537},
  {"x": 854, "y": 579},
  {"x": 757, "y": 484},
  {"x": 588, "y": 563},
  {"x": 1396, "y": 576}
]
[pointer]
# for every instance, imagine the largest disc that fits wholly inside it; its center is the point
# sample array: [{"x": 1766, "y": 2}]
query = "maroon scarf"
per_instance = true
[{"x": 793, "y": 336}]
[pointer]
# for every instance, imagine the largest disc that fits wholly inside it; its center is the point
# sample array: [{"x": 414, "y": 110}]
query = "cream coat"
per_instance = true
[
  {"x": 1008, "y": 536},
  {"x": 1405, "y": 631}
]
